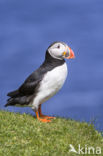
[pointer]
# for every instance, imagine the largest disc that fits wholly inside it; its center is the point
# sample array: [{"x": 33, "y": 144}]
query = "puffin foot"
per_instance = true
[
  {"x": 40, "y": 119},
  {"x": 47, "y": 117}
]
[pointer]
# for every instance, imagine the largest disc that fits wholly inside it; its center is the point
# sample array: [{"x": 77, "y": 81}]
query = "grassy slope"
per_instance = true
[{"x": 22, "y": 135}]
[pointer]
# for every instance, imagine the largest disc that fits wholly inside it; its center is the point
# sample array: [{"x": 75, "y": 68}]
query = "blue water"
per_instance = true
[{"x": 26, "y": 30}]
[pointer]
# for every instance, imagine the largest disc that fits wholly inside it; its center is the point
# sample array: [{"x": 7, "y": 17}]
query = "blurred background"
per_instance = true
[{"x": 27, "y": 28}]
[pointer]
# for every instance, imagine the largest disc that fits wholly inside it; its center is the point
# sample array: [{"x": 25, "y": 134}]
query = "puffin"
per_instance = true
[{"x": 44, "y": 82}]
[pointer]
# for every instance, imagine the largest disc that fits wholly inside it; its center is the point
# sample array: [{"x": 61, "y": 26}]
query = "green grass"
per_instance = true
[{"x": 22, "y": 135}]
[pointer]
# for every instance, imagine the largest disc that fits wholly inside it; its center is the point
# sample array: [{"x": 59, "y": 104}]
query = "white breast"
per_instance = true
[{"x": 51, "y": 84}]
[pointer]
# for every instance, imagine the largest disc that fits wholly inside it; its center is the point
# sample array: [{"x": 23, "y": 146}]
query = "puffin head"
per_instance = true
[{"x": 60, "y": 50}]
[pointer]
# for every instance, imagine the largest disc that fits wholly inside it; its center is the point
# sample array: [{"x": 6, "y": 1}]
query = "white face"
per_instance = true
[{"x": 57, "y": 50}]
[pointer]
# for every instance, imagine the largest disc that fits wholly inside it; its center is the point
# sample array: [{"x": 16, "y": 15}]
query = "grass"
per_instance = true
[{"x": 22, "y": 135}]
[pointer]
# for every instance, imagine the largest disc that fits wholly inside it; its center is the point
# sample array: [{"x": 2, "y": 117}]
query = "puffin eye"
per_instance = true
[{"x": 58, "y": 46}]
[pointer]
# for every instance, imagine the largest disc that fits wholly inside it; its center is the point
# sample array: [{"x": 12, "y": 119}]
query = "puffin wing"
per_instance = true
[{"x": 31, "y": 84}]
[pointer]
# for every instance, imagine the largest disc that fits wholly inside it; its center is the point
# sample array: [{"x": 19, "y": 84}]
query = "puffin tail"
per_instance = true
[
  {"x": 18, "y": 101},
  {"x": 9, "y": 102},
  {"x": 16, "y": 98},
  {"x": 13, "y": 96}
]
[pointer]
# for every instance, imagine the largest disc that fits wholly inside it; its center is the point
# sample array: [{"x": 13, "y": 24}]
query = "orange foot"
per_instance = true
[
  {"x": 47, "y": 117},
  {"x": 40, "y": 119}
]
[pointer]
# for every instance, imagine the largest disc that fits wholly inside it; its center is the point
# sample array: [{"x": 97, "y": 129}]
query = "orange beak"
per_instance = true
[{"x": 69, "y": 54}]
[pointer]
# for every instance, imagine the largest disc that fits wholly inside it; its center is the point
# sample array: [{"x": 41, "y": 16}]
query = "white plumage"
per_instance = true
[{"x": 50, "y": 85}]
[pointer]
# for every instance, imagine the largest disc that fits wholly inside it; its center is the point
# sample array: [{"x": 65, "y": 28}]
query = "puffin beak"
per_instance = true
[{"x": 68, "y": 54}]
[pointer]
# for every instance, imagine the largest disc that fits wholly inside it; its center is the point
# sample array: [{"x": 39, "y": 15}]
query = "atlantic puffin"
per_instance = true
[{"x": 44, "y": 82}]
